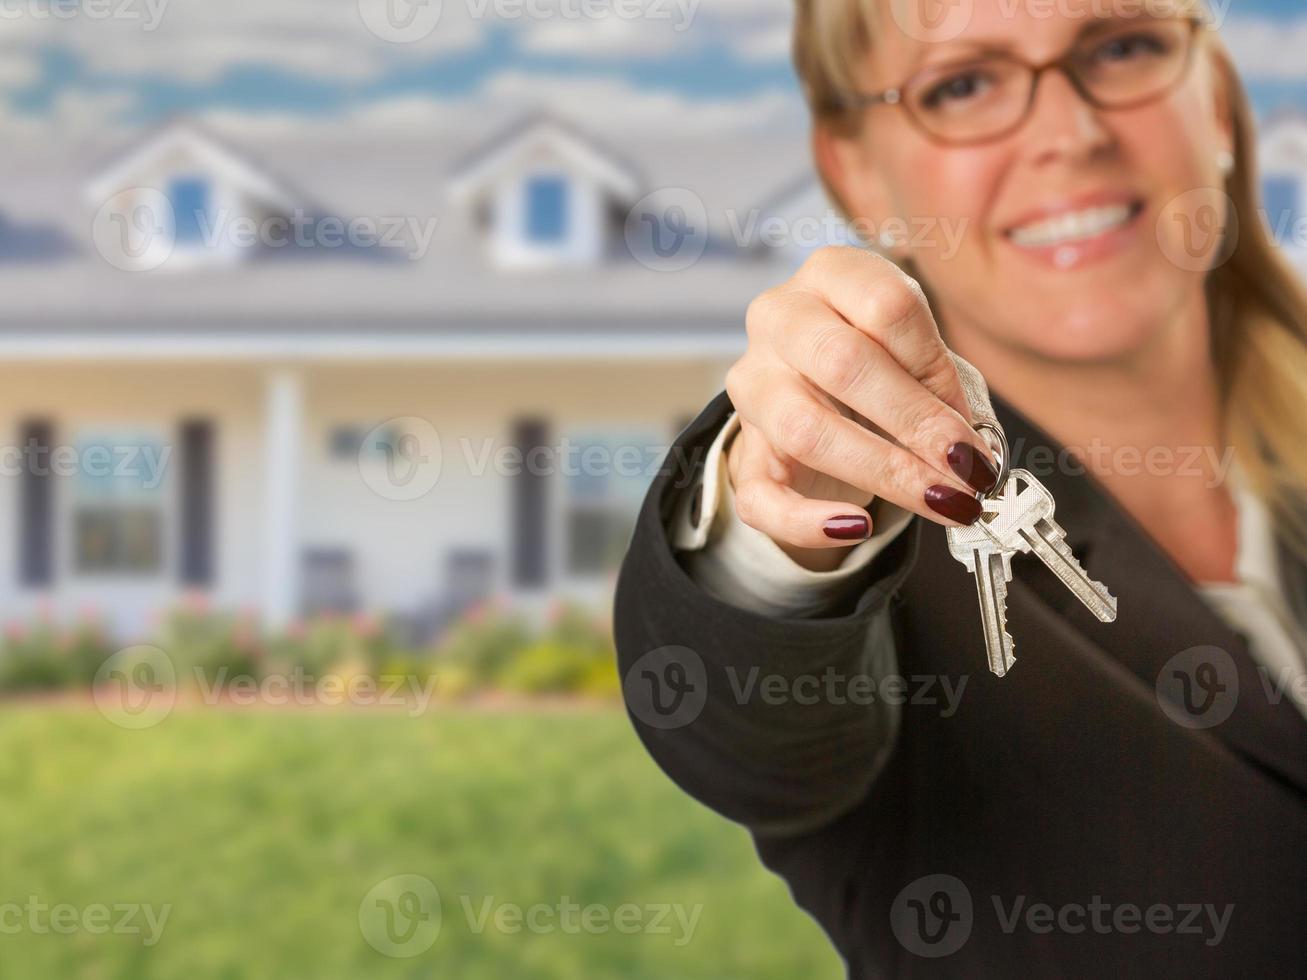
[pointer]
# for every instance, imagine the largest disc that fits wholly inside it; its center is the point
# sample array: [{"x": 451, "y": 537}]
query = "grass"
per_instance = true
[{"x": 265, "y": 830}]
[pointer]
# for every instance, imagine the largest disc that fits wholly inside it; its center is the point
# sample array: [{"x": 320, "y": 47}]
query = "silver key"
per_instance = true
[
  {"x": 1038, "y": 532},
  {"x": 1020, "y": 519},
  {"x": 990, "y": 561}
]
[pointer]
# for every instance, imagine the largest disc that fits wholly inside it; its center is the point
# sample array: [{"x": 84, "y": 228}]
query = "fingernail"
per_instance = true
[
  {"x": 953, "y": 504},
  {"x": 852, "y": 527},
  {"x": 972, "y": 467}
]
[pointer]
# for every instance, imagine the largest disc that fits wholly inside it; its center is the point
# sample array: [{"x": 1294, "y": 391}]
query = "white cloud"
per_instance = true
[
  {"x": 758, "y": 31},
  {"x": 1268, "y": 49},
  {"x": 610, "y": 107},
  {"x": 18, "y": 69},
  {"x": 768, "y": 44},
  {"x": 607, "y": 38},
  {"x": 615, "y": 105},
  {"x": 197, "y": 40}
]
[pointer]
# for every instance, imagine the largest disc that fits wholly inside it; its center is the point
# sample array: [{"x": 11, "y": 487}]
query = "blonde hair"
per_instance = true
[{"x": 1257, "y": 304}]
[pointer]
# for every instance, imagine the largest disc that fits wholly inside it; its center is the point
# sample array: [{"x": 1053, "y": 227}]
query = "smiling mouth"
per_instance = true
[{"x": 1072, "y": 227}]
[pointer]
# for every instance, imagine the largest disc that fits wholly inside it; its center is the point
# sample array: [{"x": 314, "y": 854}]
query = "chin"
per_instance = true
[{"x": 1088, "y": 331}]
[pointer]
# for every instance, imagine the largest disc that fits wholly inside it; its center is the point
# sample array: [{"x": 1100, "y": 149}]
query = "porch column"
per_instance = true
[{"x": 283, "y": 431}]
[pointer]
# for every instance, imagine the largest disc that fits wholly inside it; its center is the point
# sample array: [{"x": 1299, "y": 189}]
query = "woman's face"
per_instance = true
[{"x": 1071, "y": 237}]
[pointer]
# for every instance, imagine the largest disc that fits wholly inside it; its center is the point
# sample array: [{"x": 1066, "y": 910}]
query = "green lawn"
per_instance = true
[{"x": 265, "y": 831}]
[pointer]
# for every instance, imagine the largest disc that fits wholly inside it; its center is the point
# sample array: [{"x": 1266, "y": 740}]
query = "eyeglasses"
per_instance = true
[{"x": 986, "y": 97}]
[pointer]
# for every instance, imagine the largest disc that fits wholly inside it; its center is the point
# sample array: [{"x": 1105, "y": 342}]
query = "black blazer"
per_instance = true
[{"x": 1089, "y": 780}]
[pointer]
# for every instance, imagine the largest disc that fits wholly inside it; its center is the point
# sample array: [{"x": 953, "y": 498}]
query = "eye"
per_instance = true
[
  {"x": 956, "y": 89},
  {"x": 1130, "y": 47}
]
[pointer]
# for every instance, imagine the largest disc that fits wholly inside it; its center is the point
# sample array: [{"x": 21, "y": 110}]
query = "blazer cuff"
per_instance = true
[{"x": 743, "y": 567}]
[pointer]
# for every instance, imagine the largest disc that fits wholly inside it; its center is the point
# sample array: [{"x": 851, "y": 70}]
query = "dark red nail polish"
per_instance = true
[
  {"x": 954, "y": 504},
  {"x": 853, "y": 527},
  {"x": 972, "y": 467}
]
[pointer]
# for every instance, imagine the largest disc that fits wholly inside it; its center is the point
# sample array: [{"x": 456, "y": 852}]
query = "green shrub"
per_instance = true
[
  {"x": 26, "y": 666},
  {"x": 46, "y": 656},
  {"x": 483, "y": 643},
  {"x": 328, "y": 643},
  {"x": 209, "y": 647},
  {"x": 547, "y": 668}
]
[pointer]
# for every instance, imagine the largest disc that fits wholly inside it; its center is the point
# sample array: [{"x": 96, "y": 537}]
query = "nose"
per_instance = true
[{"x": 1062, "y": 124}]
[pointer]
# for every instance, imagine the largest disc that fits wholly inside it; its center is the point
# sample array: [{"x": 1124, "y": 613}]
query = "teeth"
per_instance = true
[{"x": 1073, "y": 226}]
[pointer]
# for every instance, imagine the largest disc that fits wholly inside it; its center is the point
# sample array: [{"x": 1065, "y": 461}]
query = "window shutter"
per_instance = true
[
  {"x": 36, "y": 504},
  {"x": 196, "y": 444},
  {"x": 530, "y": 505}
]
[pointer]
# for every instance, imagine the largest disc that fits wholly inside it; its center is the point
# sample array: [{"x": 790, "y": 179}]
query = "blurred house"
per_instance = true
[
  {"x": 293, "y": 374},
  {"x": 1283, "y": 163}
]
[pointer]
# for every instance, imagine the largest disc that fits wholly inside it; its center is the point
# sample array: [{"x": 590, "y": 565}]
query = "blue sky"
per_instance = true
[{"x": 315, "y": 59}]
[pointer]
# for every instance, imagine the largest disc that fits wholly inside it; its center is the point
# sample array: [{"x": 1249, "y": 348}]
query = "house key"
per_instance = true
[{"x": 1017, "y": 518}]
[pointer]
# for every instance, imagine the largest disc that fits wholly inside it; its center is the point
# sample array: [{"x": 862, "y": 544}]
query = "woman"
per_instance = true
[{"x": 801, "y": 652}]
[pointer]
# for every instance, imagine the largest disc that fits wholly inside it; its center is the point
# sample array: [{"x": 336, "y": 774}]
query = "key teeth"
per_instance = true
[
  {"x": 1001, "y": 668},
  {"x": 1058, "y": 544}
]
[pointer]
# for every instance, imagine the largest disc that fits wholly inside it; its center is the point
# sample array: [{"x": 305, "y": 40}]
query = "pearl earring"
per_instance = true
[{"x": 1225, "y": 162}]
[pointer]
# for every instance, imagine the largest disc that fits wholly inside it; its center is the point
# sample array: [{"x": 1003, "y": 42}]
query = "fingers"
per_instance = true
[
  {"x": 859, "y": 373},
  {"x": 794, "y": 421},
  {"x": 791, "y": 519},
  {"x": 884, "y": 303}
]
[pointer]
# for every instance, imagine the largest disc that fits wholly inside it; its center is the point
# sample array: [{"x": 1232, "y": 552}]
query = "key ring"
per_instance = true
[{"x": 1004, "y": 463}]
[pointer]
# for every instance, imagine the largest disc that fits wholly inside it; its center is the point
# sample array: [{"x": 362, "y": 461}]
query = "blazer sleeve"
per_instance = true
[{"x": 733, "y": 705}]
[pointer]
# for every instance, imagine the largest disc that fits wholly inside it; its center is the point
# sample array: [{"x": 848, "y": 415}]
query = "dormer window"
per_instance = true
[
  {"x": 543, "y": 195},
  {"x": 1281, "y": 202},
  {"x": 546, "y": 209},
  {"x": 190, "y": 198},
  {"x": 220, "y": 202}
]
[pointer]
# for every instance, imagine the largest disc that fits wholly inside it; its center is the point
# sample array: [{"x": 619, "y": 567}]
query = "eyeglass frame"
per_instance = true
[{"x": 894, "y": 96}]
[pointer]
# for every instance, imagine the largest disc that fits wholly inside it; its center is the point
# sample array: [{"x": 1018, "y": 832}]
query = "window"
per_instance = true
[
  {"x": 345, "y": 442},
  {"x": 606, "y": 475},
  {"x": 117, "y": 511},
  {"x": 189, "y": 197},
  {"x": 1282, "y": 204},
  {"x": 546, "y": 209}
]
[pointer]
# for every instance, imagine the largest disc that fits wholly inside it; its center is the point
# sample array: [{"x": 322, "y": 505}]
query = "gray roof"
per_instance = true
[{"x": 455, "y": 287}]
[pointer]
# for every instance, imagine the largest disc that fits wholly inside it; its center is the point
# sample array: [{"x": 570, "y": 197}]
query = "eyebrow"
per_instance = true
[{"x": 962, "y": 50}]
